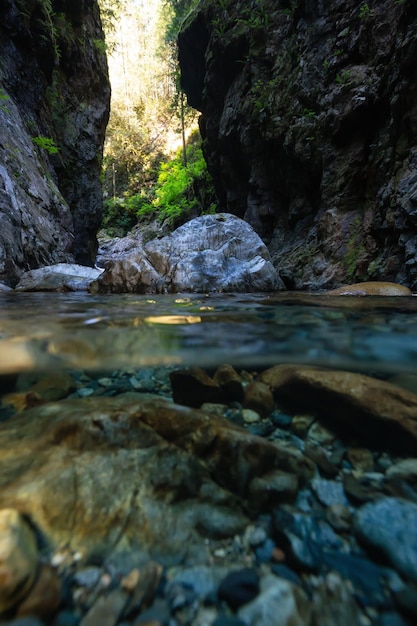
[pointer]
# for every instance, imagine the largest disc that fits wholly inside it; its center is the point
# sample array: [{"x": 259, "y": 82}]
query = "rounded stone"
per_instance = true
[
  {"x": 258, "y": 397},
  {"x": 18, "y": 558}
]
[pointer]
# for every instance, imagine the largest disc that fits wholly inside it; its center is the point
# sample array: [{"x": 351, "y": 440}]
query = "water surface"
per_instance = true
[{"x": 44, "y": 330}]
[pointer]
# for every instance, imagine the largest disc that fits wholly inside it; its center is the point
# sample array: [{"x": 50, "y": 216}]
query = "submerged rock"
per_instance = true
[
  {"x": 209, "y": 253},
  {"x": 113, "y": 474},
  {"x": 381, "y": 413},
  {"x": 389, "y": 525},
  {"x": 18, "y": 558}
]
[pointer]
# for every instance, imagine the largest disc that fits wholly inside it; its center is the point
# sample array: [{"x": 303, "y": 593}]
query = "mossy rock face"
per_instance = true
[
  {"x": 53, "y": 117},
  {"x": 372, "y": 288},
  {"x": 306, "y": 141}
]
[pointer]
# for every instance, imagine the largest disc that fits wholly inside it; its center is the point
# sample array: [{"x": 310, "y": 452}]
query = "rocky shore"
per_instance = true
[{"x": 170, "y": 496}]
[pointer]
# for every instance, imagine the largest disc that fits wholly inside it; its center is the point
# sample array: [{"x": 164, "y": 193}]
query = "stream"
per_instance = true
[{"x": 78, "y": 330}]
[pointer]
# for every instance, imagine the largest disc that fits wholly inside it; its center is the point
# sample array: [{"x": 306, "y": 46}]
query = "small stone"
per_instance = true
[
  {"x": 88, "y": 577},
  {"x": 329, "y": 492},
  {"x": 250, "y": 417},
  {"x": 84, "y": 392},
  {"x": 44, "y": 597},
  {"x": 301, "y": 424},
  {"x": 279, "y": 603},
  {"x": 276, "y": 485},
  {"x": 334, "y": 603},
  {"x": 339, "y": 517},
  {"x": 18, "y": 558},
  {"x": 256, "y": 536},
  {"x": 361, "y": 459},
  {"x": 320, "y": 435},
  {"x": 107, "y": 610},
  {"x": 280, "y": 420},
  {"x": 214, "y": 408},
  {"x": 129, "y": 582},
  {"x": 389, "y": 524},
  {"x": 239, "y": 587},
  {"x": 407, "y": 468}
]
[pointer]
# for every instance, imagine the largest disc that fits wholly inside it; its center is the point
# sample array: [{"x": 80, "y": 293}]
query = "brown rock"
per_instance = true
[
  {"x": 193, "y": 387},
  {"x": 372, "y": 288},
  {"x": 229, "y": 380},
  {"x": 258, "y": 397},
  {"x": 18, "y": 558},
  {"x": 113, "y": 474},
  {"x": 381, "y": 414},
  {"x": 45, "y": 596}
]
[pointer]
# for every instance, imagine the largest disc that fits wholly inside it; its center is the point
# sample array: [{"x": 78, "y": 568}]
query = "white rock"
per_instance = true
[{"x": 59, "y": 277}]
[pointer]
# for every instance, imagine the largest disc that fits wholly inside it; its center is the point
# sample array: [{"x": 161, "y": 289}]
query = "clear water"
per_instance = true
[{"x": 37, "y": 331}]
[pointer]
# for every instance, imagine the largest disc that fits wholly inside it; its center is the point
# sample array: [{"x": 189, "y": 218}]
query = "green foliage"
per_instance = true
[
  {"x": 46, "y": 143},
  {"x": 343, "y": 78},
  {"x": 178, "y": 194},
  {"x": 365, "y": 11}
]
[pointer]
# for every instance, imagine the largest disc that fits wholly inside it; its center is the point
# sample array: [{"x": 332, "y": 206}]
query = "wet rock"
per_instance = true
[
  {"x": 339, "y": 517},
  {"x": 107, "y": 609},
  {"x": 372, "y": 288},
  {"x": 50, "y": 387},
  {"x": 209, "y": 253},
  {"x": 258, "y": 397},
  {"x": 301, "y": 424},
  {"x": 239, "y": 588},
  {"x": 18, "y": 559},
  {"x": 44, "y": 597},
  {"x": 389, "y": 526},
  {"x": 274, "y": 486},
  {"x": 280, "y": 603},
  {"x": 229, "y": 380},
  {"x": 333, "y": 603},
  {"x": 361, "y": 459},
  {"x": 193, "y": 387},
  {"x": 329, "y": 492},
  {"x": 130, "y": 467},
  {"x": 407, "y": 468},
  {"x": 382, "y": 414},
  {"x": 59, "y": 277}
]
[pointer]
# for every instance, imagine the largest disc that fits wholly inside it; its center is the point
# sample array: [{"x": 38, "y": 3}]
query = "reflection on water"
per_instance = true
[{"x": 120, "y": 331}]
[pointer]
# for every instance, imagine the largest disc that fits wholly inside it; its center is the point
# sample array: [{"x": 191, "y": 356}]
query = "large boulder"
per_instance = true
[
  {"x": 135, "y": 473},
  {"x": 209, "y": 253},
  {"x": 59, "y": 277}
]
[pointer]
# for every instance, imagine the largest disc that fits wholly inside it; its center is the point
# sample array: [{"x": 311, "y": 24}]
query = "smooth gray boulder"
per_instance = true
[
  {"x": 209, "y": 253},
  {"x": 59, "y": 277}
]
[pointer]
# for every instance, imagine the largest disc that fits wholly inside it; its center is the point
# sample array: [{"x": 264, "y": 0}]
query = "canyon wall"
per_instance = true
[
  {"x": 309, "y": 122},
  {"x": 54, "y": 106}
]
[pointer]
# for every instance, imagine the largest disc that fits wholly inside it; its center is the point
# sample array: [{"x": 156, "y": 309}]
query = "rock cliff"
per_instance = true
[
  {"x": 309, "y": 121},
  {"x": 54, "y": 104}
]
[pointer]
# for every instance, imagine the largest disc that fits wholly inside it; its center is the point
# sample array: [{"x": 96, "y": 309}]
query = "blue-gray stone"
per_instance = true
[{"x": 390, "y": 524}]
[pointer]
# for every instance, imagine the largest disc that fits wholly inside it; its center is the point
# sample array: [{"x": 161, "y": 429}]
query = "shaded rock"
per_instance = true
[
  {"x": 18, "y": 558},
  {"x": 49, "y": 387},
  {"x": 305, "y": 96},
  {"x": 333, "y": 603},
  {"x": 59, "y": 277},
  {"x": 44, "y": 597},
  {"x": 113, "y": 474},
  {"x": 407, "y": 468},
  {"x": 229, "y": 380},
  {"x": 107, "y": 609},
  {"x": 388, "y": 525},
  {"x": 239, "y": 587},
  {"x": 209, "y": 253},
  {"x": 50, "y": 204},
  {"x": 372, "y": 288},
  {"x": 279, "y": 603},
  {"x": 259, "y": 398},
  {"x": 329, "y": 492},
  {"x": 380, "y": 413},
  {"x": 193, "y": 387}
]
